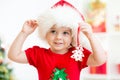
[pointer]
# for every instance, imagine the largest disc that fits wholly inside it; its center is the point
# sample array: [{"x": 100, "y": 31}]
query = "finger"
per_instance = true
[{"x": 35, "y": 23}]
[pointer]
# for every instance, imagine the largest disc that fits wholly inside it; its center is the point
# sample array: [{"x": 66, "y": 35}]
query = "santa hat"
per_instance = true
[{"x": 62, "y": 14}]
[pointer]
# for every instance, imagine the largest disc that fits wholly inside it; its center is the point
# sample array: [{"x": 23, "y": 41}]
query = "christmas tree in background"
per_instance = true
[{"x": 5, "y": 71}]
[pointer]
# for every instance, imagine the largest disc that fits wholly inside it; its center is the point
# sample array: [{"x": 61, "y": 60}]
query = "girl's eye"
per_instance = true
[
  {"x": 66, "y": 33},
  {"x": 53, "y": 31}
]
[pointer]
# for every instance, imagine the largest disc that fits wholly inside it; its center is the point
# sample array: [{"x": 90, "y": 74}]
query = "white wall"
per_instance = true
[{"x": 13, "y": 13}]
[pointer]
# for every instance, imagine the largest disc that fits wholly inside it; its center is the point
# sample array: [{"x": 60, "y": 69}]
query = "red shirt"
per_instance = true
[{"x": 45, "y": 61}]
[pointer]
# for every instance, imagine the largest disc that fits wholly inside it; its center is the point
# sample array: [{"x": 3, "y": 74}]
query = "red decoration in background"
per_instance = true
[
  {"x": 99, "y": 69},
  {"x": 99, "y": 28},
  {"x": 118, "y": 68}
]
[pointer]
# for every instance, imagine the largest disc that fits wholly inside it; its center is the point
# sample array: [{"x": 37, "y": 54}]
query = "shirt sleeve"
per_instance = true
[{"x": 32, "y": 55}]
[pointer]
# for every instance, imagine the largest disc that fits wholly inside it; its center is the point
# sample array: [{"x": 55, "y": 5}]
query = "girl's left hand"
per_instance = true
[{"x": 86, "y": 28}]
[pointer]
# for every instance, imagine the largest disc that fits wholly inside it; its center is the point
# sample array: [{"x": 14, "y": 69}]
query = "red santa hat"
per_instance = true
[{"x": 62, "y": 14}]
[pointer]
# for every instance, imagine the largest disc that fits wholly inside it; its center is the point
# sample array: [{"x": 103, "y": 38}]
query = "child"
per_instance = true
[{"x": 61, "y": 27}]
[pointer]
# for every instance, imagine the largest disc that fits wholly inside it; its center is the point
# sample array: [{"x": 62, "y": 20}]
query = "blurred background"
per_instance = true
[{"x": 103, "y": 15}]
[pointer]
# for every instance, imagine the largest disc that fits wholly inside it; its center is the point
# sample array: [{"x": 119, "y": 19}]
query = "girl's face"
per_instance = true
[{"x": 59, "y": 39}]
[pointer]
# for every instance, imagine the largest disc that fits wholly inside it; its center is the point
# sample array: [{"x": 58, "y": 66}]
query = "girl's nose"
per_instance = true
[{"x": 59, "y": 36}]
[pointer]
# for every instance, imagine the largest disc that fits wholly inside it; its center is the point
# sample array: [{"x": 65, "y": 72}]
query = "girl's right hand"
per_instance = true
[{"x": 29, "y": 26}]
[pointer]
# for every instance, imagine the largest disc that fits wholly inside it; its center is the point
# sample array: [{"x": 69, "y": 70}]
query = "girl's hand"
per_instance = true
[
  {"x": 29, "y": 26},
  {"x": 86, "y": 28}
]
